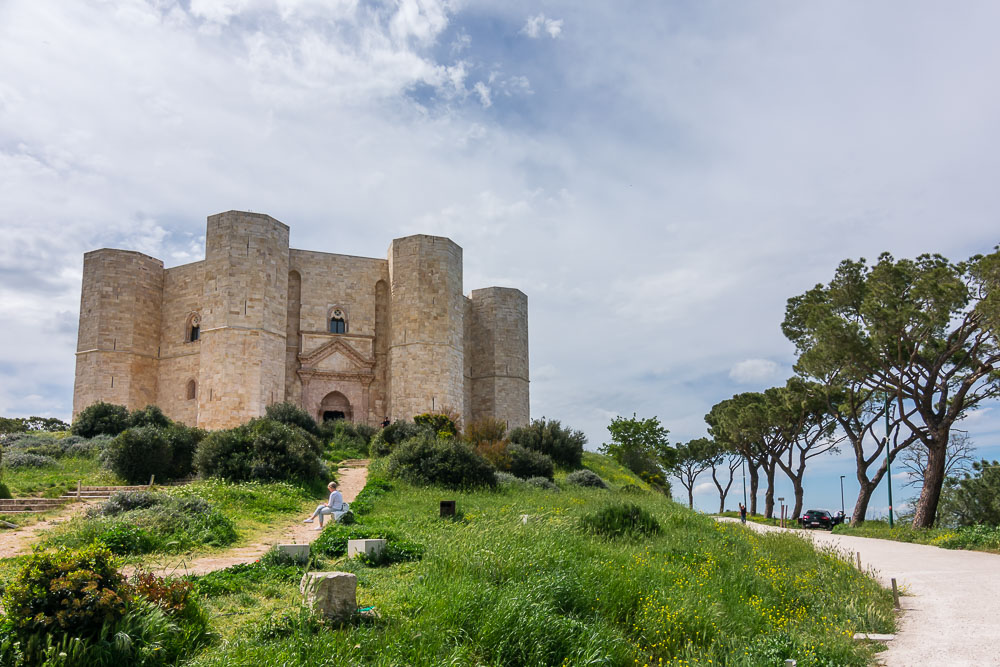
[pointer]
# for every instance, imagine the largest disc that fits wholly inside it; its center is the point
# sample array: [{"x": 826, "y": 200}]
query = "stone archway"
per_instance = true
[{"x": 334, "y": 406}]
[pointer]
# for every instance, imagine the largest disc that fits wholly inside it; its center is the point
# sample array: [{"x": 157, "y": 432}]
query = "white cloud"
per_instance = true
[
  {"x": 750, "y": 371},
  {"x": 484, "y": 94},
  {"x": 538, "y": 24}
]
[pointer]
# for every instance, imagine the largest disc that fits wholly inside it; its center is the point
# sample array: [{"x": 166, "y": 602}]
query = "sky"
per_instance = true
[{"x": 658, "y": 177}]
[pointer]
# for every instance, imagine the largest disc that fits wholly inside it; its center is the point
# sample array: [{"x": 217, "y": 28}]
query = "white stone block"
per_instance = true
[
  {"x": 370, "y": 548},
  {"x": 297, "y": 552},
  {"x": 331, "y": 594}
]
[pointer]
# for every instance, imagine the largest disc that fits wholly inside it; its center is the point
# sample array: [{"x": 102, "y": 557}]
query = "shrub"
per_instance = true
[
  {"x": 494, "y": 451},
  {"x": 46, "y": 445},
  {"x": 262, "y": 450},
  {"x": 442, "y": 425},
  {"x": 171, "y": 595},
  {"x": 527, "y": 463},
  {"x": 344, "y": 435},
  {"x": 506, "y": 479},
  {"x": 542, "y": 483},
  {"x": 487, "y": 429},
  {"x": 291, "y": 414},
  {"x": 428, "y": 460},
  {"x": 66, "y": 591},
  {"x": 631, "y": 488},
  {"x": 395, "y": 551},
  {"x": 138, "y": 522},
  {"x": 139, "y": 453},
  {"x": 150, "y": 415},
  {"x": 184, "y": 442},
  {"x": 120, "y": 502},
  {"x": 386, "y": 440},
  {"x": 622, "y": 520},
  {"x": 27, "y": 460},
  {"x": 101, "y": 419},
  {"x": 586, "y": 478},
  {"x": 563, "y": 445}
]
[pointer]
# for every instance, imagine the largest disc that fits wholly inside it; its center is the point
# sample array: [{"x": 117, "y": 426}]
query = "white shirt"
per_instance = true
[{"x": 336, "y": 501}]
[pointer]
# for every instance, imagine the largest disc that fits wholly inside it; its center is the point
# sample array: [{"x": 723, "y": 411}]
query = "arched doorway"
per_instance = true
[{"x": 335, "y": 406}]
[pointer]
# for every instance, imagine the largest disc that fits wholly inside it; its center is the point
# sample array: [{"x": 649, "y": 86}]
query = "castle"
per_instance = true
[{"x": 214, "y": 342}]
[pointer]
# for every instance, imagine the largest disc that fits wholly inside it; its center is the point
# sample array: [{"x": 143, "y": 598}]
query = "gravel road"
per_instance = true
[{"x": 952, "y": 603}]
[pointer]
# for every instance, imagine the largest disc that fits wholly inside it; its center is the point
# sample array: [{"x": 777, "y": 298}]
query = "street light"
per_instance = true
[{"x": 842, "y": 508}]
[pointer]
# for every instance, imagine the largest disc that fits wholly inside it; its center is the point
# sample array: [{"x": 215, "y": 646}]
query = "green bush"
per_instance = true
[
  {"x": 138, "y": 522},
  {"x": 563, "y": 445},
  {"x": 291, "y": 414},
  {"x": 442, "y": 425},
  {"x": 346, "y": 436},
  {"x": 525, "y": 463},
  {"x": 139, "y": 453},
  {"x": 542, "y": 483},
  {"x": 395, "y": 551},
  {"x": 151, "y": 415},
  {"x": 65, "y": 592},
  {"x": 429, "y": 460},
  {"x": 621, "y": 520},
  {"x": 101, "y": 419},
  {"x": 237, "y": 578},
  {"x": 261, "y": 450},
  {"x": 586, "y": 478},
  {"x": 57, "y": 448},
  {"x": 506, "y": 479},
  {"x": 383, "y": 442},
  {"x": 27, "y": 460},
  {"x": 75, "y": 609}
]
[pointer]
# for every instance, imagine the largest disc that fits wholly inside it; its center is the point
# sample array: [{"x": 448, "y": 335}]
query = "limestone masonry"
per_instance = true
[{"x": 213, "y": 343}]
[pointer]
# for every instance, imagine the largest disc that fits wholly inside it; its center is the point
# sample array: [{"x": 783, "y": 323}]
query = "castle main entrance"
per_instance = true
[{"x": 335, "y": 406}]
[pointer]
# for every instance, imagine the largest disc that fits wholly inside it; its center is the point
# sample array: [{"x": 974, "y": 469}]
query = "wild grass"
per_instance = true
[
  {"x": 974, "y": 538},
  {"x": 516, "y": 581},
  {"x": 54, "y": 480}
]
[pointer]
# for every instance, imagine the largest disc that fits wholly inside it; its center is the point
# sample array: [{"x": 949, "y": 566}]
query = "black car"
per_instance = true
[{"x": 820, "y": 519}]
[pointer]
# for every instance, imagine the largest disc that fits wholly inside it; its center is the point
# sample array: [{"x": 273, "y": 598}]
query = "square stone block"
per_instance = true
[
  {"x": 297, "y": 552},
  {"x": 370, "y": 548},
  {"x": 331, "y": 594}
]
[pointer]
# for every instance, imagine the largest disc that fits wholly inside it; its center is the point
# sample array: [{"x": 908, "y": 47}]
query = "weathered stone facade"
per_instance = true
[{"x": 213, "y": 343}]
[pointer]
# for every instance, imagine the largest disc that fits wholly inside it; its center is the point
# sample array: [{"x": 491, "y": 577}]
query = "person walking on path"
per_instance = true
[
  {"x": 335, "y": 507},
  {"x": 743, "y": 513}
]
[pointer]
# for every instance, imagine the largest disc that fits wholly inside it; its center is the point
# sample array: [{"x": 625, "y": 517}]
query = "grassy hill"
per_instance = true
[{"x": 516, "y": 580}]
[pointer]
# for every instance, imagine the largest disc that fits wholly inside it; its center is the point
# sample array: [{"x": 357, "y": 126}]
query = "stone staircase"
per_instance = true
[{"x": 81, "y": 494}]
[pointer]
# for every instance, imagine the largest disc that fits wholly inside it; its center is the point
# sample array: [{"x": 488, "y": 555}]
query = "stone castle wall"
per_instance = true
[
  {"x": 427, "y": 336},
  {"x": 117, "y": 355},
  {"x": 413, "y": 342},
  {"x": 498, "y": 347}
]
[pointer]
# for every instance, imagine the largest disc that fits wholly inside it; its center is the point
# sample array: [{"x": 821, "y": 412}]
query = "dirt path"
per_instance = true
[
  {"x": 952, "y": 605},
  {"x": 19, "y": 541},
  {"x": 351, "y": 477}
]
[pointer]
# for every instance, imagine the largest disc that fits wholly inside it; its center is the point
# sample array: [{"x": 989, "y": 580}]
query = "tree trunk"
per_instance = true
[
  {"x": 691, "y": 496},
  {"x": 799, "y": 492},
  {"x": 754, "y": 483},
  {"x": 769, "y": 494},
  {"x": 937, "y": 459},
  {"x": 864, "y": 497}
]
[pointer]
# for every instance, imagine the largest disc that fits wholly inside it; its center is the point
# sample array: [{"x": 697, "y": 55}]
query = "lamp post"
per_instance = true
[
  {"x": 888, "y": 469},
  {"x": 842, "y": 508},
  {"x": 782, "y": 501}
]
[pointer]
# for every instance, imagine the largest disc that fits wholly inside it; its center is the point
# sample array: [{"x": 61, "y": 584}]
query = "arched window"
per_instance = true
[
  {"x": 338, "y": 321},
  {"x": 192, "y": 390},
  {"x": 193, "y": 328}
]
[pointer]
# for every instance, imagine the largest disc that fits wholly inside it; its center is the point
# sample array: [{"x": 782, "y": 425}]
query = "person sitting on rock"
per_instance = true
[{"x": 335, "y": 507}]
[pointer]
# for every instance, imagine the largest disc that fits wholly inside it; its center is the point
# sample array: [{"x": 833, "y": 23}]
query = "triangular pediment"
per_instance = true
[{"x": 336, "y": 356}]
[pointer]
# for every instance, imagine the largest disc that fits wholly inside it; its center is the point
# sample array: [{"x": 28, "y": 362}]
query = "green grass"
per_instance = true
[
  {"x": 55, "y": 480},
  {"x": 975, "y": 538},
  {"x": 495, "y": 588}
]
